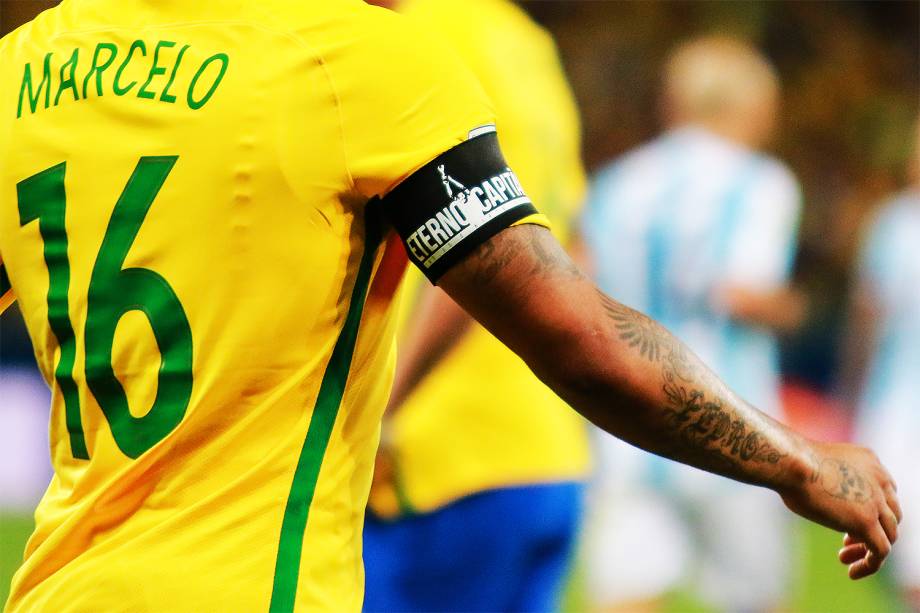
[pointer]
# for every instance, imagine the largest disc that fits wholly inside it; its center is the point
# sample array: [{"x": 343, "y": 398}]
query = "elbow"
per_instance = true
[{"x": 581, "y": 366}]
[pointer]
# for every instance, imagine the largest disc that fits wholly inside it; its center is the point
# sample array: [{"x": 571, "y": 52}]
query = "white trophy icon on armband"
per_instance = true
[{"x": 466, "y": 200}]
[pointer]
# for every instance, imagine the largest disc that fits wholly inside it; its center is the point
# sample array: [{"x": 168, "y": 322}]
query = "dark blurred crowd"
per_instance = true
[{"x": 850, "y": 75}]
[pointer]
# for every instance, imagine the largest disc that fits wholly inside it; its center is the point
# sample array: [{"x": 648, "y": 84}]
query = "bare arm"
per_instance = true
[
  {"x": 632, "y": 378},
  {"x": 859, "y": 344},
  {"x": 437, "y": 324},
  {"x": 782, "y": 310}
]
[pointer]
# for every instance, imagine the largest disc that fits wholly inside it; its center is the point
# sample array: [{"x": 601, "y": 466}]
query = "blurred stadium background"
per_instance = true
[{"x": 851, "y": 80}]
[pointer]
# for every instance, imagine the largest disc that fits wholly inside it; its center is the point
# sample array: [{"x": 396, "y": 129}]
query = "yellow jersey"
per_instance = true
[
  {"x": 481, "y": 419},
  {"x": 186, "y": 220}
]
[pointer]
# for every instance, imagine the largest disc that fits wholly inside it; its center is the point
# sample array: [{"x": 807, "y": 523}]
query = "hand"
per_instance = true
[
  {"x": 782, "y": 309},
  {"x": 383, "y": 500},
  {"x": 384, "y": 464},
  {"x": 850, "y": 491}
]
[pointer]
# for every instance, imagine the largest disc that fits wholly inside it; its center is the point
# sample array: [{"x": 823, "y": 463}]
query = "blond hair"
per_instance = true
[{"x": 710, "y": 78}]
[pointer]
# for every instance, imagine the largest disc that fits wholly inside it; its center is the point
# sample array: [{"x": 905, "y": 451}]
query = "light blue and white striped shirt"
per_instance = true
[
  {"x": 676, "y": 220},
  {"x": 890, "y": 270}
]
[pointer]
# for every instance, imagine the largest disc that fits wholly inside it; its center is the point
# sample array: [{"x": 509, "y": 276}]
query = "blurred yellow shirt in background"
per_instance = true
[{"x": 481, "y": 420}]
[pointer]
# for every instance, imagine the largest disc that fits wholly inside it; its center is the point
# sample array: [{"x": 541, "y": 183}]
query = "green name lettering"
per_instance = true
[
  {"x": 155, "y": 70},
  {"x": 119, "y": 90},
  {"x": 224, "y": 61},
  {"x": 98, "y": 68},
  {"x": 70, "y": 83},
  {"x": 199, "y": 90},
  {"x": 166, "y": 96},
  {"x": 35, "y": 94}
]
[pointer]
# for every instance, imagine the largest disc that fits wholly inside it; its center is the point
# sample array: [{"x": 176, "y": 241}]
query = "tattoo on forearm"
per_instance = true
[
  {"x": 702, "y": 420},
  {"x": 494, "y": 255},
  {"x": 636, "y": 329},
  {"x": 550, "y": 258},
  {"x": 490, "y": 258},
  {"x": 840, "y": 480}
]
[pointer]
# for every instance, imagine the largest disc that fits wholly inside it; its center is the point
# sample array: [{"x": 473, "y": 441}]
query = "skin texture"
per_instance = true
[
  {"x": 782, "y": 310},
  {"x": 438, "y": 325},
  {"x": 633, "y": 379}
]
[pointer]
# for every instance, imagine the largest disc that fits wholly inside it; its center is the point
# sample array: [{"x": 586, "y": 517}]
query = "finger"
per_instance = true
[
  {"x": 888, "y": 479},
  {"x": 877, "y": 541},
  {"x": 878, "y": 545},
  {"x": 889, "y": 524},
  {"x": 891, "y": 497},
  {"x": 865, "y": 567},
  {"x": 851, "y": 540},
  {"x": 852, "y": 553}
]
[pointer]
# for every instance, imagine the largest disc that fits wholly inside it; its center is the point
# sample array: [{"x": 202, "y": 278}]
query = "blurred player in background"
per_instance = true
[
  {"x": 201, "y": 206},
  {"x": 885, "y": 359},
  {"x": 699, "y": 229},
  {"x": 478, "y": 494},
  {"x": 24, "y": 469}
]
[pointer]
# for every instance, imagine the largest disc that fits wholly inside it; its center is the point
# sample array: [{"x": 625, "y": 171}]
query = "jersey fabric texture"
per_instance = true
[
  {"x": 184, "y": 220},
  {"x": 481, "y": 419},
  {"x": 506, "y": 549},
  {"x": 888, "y": 419},
  {"x": 669, "y": 225}
]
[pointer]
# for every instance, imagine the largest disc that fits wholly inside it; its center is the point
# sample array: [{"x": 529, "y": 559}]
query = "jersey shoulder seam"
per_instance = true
[{"x": 321, "y": 61}]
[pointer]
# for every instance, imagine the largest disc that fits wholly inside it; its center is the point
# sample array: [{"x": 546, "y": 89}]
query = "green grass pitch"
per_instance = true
[
  {"x": 820, "y": 584},
  {"x": 14, "y": 530}
]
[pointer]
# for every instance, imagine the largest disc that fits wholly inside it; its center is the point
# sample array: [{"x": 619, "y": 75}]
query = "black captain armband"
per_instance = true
[{"x": 455, "y": 203}]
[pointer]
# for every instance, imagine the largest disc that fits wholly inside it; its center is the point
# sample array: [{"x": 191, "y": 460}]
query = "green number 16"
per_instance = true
[{"x": 113, "y": 291}]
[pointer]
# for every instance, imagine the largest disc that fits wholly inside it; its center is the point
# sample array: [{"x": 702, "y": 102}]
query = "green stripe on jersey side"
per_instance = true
[{"x": 328, "y": 401}]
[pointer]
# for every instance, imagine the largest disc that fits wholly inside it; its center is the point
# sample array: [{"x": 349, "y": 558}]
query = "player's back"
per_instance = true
[{"x": 189, "y": 244}]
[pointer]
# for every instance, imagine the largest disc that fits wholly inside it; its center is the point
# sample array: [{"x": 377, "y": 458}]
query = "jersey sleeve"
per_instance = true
[
  {"x": 764, "y": 246},
  {"x": 404, "y": 98},
  {"x": 419, "y": 133}
]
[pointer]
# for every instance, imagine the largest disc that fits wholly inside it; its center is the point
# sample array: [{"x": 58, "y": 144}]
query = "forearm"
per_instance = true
[
  {"x": 782, "y": 310},
  {"x": 626, "y": 373},
  {"x": 629, "y": 376},
  {"x": 643, "y": 385},
  {"x": 436, "y": 325},
  {"x": 858, "y": 345}
]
